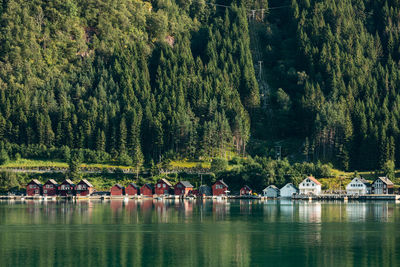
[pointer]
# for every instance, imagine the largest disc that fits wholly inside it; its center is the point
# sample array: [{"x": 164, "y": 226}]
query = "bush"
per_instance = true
[{"x": 218, "y": 165}]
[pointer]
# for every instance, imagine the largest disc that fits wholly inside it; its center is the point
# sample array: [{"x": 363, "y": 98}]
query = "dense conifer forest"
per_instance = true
[{"x": 138, "y": 81}]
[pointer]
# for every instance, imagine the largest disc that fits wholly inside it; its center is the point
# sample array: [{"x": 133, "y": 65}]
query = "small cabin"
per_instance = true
[
  {"x": 117, "y": 190},
  {"x": 271, "y": 192},
  {"x": 246, "y": 191},
  {"x": 163, "y": 187},
  {"x": 50, "y": 188},
  {"x": 382, "y": 185},
  {"x": 310, "y": 185},
  {"x": 66, "y": 188},
  {"x": 358, "y": 186},
  {"x": 288, "y": 191},
  {"x": 183, "y": 188},
  {"x": 220, "y": 188},
  {"x": 146, "y": 190},
  {"x": 34, "y": 188},
  {"x": 84, "y": 188},
  {"x": 132, "y": 189}
]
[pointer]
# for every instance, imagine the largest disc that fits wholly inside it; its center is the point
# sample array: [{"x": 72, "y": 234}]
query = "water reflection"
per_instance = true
[{"x": 198, "y": 233}]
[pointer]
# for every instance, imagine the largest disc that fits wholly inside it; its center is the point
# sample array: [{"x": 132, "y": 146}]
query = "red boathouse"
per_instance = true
[
  {"x": 84, "y": 188},
  {"x": 183, "y": 188},
  {"x": 245, "y": 191},
  {"x": 66, "y": 188},
  {"x": 220, "y": 188},
  {"x": 50, "y": 188},
  {"x": 117, "y": 190},
  {"x": 34, "y": 188},
  {"x": 146, "y": 190},
  {"x": 132, "y": 189},
  {"x": 163, "y": 187}
]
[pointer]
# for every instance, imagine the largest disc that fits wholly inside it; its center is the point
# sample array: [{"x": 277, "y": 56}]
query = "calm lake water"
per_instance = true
[{"x": 199, "y": 233}]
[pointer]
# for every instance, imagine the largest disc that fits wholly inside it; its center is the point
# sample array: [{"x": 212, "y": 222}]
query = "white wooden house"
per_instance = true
[
  {"x": 271, "y": 191},
  {"x": 288, "y": 190},
  {"x": 310, "y": 185},
  {"x": 382, "y": 185},
  {"x": 358, "y": 186}
]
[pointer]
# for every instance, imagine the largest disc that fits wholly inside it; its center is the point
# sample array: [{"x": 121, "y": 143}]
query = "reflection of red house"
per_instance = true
[
  {"x": 183, "y": 188},
  {"x": 84, "y": 188},
  {"x": 117, "y": 190},
  {"x": 34, "y": 188},
  {"x": 146, "y": 190},
  {"x": 245, "y": 190},
  {"x": 50, "y": 188},
  {"x": 219, "y": 188},
  {"x": 163, "y": 187},
  {"x": 132, "y": 189},
  {"x": 66, "y": 188}
]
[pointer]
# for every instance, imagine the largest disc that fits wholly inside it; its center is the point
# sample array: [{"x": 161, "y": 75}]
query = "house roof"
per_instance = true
[
  {"x": 36, "y": 181},
  {"x": 119, "y": 186},
  {"x": 290, "y": 184},
  {"x": 314, "y": 180},
  {"x": 271, "y": 187},
  {"x": 86, "y": 182},
  {"x": 51, "y": 181},
  {"x": 222, "y": 182},
  {"x": 165, "y": 181},
  {"x": 148, "y": 185},
  {"x": 246, "y": 186},
  {"x": 385, "y": 180},
  {"x": 68, "y": 181},
  {"x": 134, "y": 185},
  {"x": 186, "y": 184},
  {"x": 366, "y": 182}
]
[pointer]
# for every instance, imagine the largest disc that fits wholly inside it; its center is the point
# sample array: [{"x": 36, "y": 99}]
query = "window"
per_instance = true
[
  {"x": 159, "y": 185},
  {"x": 45, "y": 191},
  {"x": 179, "y": 186},
  {"x": 163, "y": 185}
]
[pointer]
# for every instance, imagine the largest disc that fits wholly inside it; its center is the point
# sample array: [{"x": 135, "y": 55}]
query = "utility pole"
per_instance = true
[{"x": 260, "y": 69}]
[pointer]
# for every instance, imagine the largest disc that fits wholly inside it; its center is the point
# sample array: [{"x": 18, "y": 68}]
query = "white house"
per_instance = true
[
  {"x": 288, "y": 190},
  {"x": 358, "y": 186},
  {"x": 271, "y": 191},
  {"x": 310, "y": 185}
]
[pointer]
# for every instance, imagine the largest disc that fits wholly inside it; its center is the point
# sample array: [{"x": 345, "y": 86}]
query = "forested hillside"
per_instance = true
[{"x": 137, "y": 80}]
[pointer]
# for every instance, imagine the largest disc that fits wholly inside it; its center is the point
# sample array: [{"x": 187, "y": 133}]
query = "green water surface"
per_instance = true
[{"x": 199, "y": 233}]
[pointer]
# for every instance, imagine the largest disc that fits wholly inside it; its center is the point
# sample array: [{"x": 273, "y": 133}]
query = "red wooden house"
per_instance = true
[
  {"x": 84, "y": 188},
  {"x": 50, "y": 188},
  {"x": 183, "y": 188},
  {"x": 245, "y": 191},
  {"x": 163, "y": 187},
  {"x": 220, "y": 188},
  {"x": 34, "y": 188},
  {"x": 146, "y": 190},
  {"x": 117, "y": 190},
  {"x": 132, "y": 189},
  {"x": 66, "y": 188}
]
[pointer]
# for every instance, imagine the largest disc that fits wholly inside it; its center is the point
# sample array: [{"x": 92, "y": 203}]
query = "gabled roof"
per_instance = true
[
  {"x": 67, "y": 181},
  {"x": 290, "y": 184},
  {"x": 148, "y": 185},
  {"x": 165, "y": 181},
  {"x": 119, "y": 186},
  {"x": 362, "y": 180},
  {"x": 35, "y": 181},
  {"x": 385, "y": 180},
  {"x": 222, "y": 182},
  {"x": 185, "y": 184},
  {"x": 246, "y": 186},
  {"x": 86, "y": 182},
  {"x": 314, "y": 180},
  {"x": 271, "y": 187},
  {"x": 51, "y": 181},
  {"x": 133, "y": 185}
]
